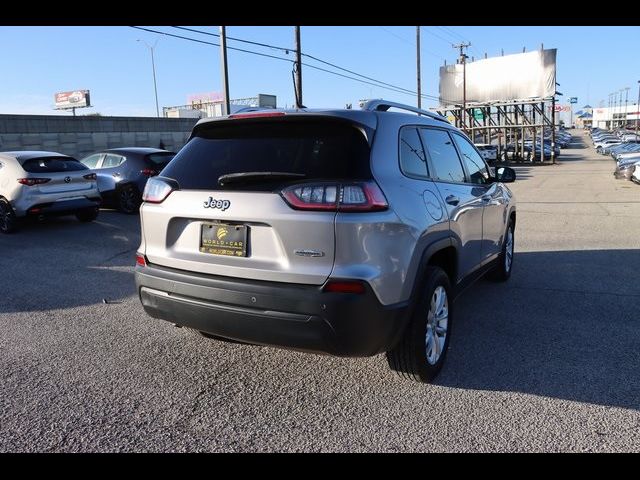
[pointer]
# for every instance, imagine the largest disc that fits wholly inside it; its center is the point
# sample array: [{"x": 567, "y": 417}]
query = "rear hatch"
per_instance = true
[
  {"x": 61, "y": 177},
  {"x": 253, "y": 197}
]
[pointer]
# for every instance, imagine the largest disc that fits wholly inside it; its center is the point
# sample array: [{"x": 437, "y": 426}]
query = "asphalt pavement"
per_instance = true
[{"x": 547, "y": 362}]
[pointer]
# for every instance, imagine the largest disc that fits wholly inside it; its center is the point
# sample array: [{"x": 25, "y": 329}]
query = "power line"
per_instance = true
[
  {"x": 284, "y": 49},
  {"x": 452, "y": 32},
  {"x": 211, "y": 43},
  {"x": 379, "y": 84},
  {"x": 311, "y": 57},
  {"x": 412, "y": 43}
]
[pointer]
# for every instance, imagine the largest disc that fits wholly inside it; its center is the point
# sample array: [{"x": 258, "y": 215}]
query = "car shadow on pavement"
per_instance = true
[
  {"x": 62, "y": 263},
  {"x": 565, "y": 326}
]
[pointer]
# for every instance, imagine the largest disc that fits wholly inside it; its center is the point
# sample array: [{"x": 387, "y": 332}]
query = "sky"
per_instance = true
[{"x": 39, "y": 61}]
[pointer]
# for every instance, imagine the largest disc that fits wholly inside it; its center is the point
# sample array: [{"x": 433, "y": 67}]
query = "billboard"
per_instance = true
[
  {"x": 73, "y": 99},
  {"x": 510, "y": 77}
]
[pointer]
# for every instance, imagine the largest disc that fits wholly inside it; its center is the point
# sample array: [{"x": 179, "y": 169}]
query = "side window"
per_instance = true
[
  {"x": 413, "y": 161},
  {"x": 92, "y": 160},
  {"x": 444, "y": 156},
  {"x": 478, "y": 172},
  {"x": 111, "y": 160}
]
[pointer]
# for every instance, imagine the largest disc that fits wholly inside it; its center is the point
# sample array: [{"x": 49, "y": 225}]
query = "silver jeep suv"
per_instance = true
[{"x": 334, "y": 231}]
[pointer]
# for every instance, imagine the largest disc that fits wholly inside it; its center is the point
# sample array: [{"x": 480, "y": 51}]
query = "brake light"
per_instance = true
[
  {"x": 141, "y": 260},
  {"x": 256, "y": 115},
  {"x": 344, "y": 286},
  {"x": 90, "y": 176},
  {"x": 149, "y": 172},
  {"x": 156, "y": 191},
  {"x": 332, "y": 197},
  {"x": 30, "y": 182}
]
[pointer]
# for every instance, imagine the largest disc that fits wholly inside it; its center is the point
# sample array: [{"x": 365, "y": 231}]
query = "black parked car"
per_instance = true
[{"x": 123, "y": 172}]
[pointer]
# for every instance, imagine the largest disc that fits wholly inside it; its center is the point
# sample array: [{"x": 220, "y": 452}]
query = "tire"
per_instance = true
[
  {"x": 87, "y": 215},
  {"x": 413, "y": 358},
  {"x": 7, "y": 217},
  {"x": 504, "y": 266},
  {"x": 128, "y": 199}
]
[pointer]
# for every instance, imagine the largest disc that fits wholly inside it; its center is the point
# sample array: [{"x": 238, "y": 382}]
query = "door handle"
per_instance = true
[
  {"x": 486, "y": 198},
  {"x": 115, "y": 174},
  {"x": 452, "y": 200}
]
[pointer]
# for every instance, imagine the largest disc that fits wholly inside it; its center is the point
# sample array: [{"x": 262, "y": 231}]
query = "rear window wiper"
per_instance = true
[{"x": 248, "y": 177}]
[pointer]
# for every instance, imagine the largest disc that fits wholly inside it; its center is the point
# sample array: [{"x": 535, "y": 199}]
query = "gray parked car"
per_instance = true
[
  {"x": 123, "y": 173},
  {"x": 36, "y": 183},
  {"x": 336, "y": 231}
]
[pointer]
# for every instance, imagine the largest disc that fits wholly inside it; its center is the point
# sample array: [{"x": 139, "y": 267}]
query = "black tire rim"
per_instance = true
[{"x": 128, "y": 199}]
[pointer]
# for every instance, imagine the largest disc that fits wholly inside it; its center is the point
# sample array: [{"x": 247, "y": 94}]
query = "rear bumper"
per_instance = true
[
  {"x": 299, "y": 317},
  {"x": 63, "y": 207}
]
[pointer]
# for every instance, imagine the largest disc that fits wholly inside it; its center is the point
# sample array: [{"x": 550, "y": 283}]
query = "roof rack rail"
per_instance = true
[{"x": 384, "y": 105}]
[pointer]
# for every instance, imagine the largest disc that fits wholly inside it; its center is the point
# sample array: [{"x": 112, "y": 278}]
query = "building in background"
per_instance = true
[
  {"x": 584, "y": 117},
  {"x": 617, "y": 116},
  {"x": 211, "y": 105}
]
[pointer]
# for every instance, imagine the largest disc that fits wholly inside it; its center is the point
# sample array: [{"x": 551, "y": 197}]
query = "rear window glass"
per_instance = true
[
  {"x": 159, "y": 159},
  {"x": 52, "y": 164},
  {"x": 318, "y": 149}
]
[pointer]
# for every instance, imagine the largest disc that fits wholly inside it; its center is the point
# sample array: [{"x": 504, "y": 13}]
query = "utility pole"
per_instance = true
[
  {"x": 225, "y": 70},
  {"x": 418, "y": 66},
  {"x": 463, "y": 60},
  {"x": 298, "y": 70}
]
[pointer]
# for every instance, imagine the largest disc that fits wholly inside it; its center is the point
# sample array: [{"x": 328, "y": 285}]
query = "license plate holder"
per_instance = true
[{"x": 223, "y": 239}]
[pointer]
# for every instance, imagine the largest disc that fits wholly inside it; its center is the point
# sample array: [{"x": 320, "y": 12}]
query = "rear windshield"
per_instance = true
[
  {"x": 52, "y": 165},
  {"x": 159, "y": 159},
  {"x": 317, "y": 149}
]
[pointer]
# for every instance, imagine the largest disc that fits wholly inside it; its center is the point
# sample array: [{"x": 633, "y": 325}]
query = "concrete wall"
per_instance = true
[{"x": 80, "y": 136}]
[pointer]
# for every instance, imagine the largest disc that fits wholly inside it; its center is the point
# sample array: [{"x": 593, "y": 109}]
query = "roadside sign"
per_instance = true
[{"x": 573, "y": 100}]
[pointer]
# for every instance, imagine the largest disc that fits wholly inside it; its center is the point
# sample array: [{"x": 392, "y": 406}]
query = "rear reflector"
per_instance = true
[
  {"x": 156, "y": 190},
  {"x": 90, "y": 176},
  {"x": 344, "y": 286},
  {"x": 352, "y": 197},
  {"x": 30, "y": 182},
  {"x": 256, "y": 114},
  {"x": 141, "y": 260}
]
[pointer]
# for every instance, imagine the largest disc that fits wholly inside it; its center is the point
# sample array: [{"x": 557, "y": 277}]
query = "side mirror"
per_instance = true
[{"x": 505, "y": 174}]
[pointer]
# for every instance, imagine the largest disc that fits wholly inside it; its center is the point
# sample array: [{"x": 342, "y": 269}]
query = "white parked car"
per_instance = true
[
  {"x": 35, "y": 183},
  {"x": 488, "y": 152}
]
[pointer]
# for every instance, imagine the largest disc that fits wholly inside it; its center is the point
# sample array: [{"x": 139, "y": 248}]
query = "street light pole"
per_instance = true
[
  {"x": 153, "y": 67},
  {"x": 418, "y": 66},
  {"x": 626, "y": 104},
  {"x": 638, "y": 109}
]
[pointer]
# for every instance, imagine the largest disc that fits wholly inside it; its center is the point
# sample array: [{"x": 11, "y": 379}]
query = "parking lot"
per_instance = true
[{"x": 546, "y": 362}]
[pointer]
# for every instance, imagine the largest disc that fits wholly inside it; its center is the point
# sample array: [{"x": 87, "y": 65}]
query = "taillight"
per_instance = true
[
  {"x": 30, "y": 182},
  {"x": 344, "y": 286},
  {"x": 156, "y": 190},
  {"x": 90, "y": 176},
  {"x": 149, "y": 172},
  {"x": 141, "y": 260},
  {"x": 347, "y": 197}
]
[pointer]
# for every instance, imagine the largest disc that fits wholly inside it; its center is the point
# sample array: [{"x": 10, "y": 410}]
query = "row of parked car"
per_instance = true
[
  {"x": 38, "y": 183},
  {"x": 532, "y": 150},
  {"x": 624, "y": 147}
]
